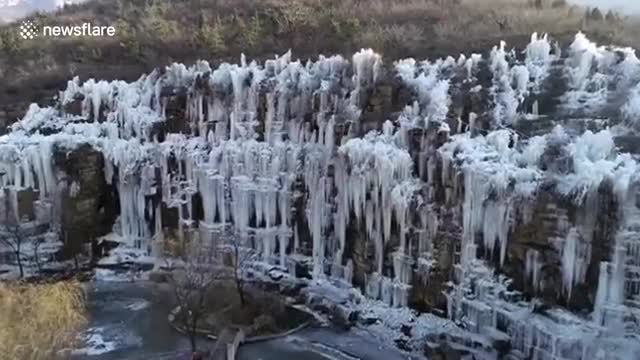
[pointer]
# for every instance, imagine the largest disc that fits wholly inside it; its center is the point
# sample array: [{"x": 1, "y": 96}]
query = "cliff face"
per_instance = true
[
  {"x": 459, "y": 186},
  {"x": 88, "y": 209}
]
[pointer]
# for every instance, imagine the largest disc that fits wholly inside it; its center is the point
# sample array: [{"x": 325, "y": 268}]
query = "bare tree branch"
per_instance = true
[
  {"x": 199, "y": 271},
  {"x": 11, "y": 236}
]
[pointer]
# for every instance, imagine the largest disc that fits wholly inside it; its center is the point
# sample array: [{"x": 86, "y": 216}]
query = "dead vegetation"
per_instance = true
[
  {"x": 40, "y": 321},
  {"x": 154, "y": 32}
]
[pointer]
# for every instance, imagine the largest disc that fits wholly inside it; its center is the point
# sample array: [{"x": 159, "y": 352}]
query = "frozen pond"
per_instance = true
[{"x": 128, "y": 321}]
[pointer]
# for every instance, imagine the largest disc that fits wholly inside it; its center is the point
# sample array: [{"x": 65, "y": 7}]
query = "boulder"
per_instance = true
[
  {"x": 343, "y": 317},
  {"x": 160, "y": 276}
]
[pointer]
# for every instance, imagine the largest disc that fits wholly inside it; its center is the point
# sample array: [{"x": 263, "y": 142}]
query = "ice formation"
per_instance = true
[
  {"x": 598, "y": 76},
  {"x": 431, "y": 82},
  {"x": 506, "y": 98},
  {"x": 538, "y": 60},
  {"x": 283, "y": 157}
]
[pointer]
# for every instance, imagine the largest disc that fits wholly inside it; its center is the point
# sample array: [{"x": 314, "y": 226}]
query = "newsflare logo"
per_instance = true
[{"x": 29, "y": 30}]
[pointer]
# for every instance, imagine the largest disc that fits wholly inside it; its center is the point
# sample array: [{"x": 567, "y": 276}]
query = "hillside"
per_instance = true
[{"x": 153, "y": 33}]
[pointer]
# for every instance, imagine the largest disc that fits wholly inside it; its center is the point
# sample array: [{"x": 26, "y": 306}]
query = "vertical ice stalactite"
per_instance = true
[
  {"x": 538, "y": 60},
  {"x": 44, "y": 169},
  {"x": 316, "y": 183},
  {"x": 285, "y": 232},
  {"x": 616, "y": 282},
  {"x": 631, "y": 109},
  {"x": 367, "y": 66},
  {"x": 343, "y": 211},
  {"x": 439, "y": 101},
  {"x": 135, "y": 182},
  {"x": 401, "y": 196},
  {"x": 241, "y": 206},
  {"x": 13, "y": 204},
  {"x": 602, "y": 293},
  {"x": 386, "y": 290},
  {"x": 533, "y": 266},
  {"x": 158, "y": 233},
  {"x": 472, "y": 214},
  {"x": 427, "y": 234},
  {"x": 506, "y": 98},
  {"x": 317, "y": 216},
  {"x": 496, "y": 225}
]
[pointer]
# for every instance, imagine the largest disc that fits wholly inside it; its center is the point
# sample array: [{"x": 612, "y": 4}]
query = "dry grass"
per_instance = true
[
  {"x": 39, "y": 321},
  {"x": 154, "y": 32}
]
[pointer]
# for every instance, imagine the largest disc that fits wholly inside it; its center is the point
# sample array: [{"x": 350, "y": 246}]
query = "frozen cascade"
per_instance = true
[
  {"x": 490, "y": 164},
  {"x": 27, "y": 162},
  {"x": 378, "y": 167},
  {"x": 263, "y": 145},
  {"x": 378, "y": 189},
  {"x": 595, "y": 161},
  {"x": 132, "y": 111},
  {"x": 619, "y": 285},
  {"x": 135, "y": 181}
]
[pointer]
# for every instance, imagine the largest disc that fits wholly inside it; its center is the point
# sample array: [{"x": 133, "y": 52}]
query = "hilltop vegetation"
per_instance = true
[{"x": 151, "y": 33}]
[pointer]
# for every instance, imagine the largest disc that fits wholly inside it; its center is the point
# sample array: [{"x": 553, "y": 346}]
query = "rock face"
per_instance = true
[
  {"x": 88, "y": 207},
  {"x": 466, "y": 187}
]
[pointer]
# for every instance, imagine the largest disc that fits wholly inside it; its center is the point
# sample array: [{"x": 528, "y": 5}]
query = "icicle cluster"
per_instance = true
[
  {"x": 499, "y": 165},
  {"x": 431, "y": 83},
  {"x": 538, "y": 60},
  {"x": 510, "y": 85},
  {"x": 598, "y": 75}
]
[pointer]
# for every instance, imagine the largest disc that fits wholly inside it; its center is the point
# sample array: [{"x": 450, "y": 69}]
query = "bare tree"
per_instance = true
[
  {"x": 11, "y": 236},
  {"x": 200, "y": 270},
  {"x": 240, "y": 261}
]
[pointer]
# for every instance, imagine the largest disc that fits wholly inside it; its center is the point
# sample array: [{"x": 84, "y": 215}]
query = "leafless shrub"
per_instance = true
[{"x": 12, "y": 237}]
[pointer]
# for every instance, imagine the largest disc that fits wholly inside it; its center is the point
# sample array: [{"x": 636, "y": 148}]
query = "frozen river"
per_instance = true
[{"x": 128, "y": 321}]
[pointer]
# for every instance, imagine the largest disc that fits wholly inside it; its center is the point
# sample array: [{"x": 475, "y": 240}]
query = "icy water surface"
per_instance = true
[{"x": 128, "y": 321}]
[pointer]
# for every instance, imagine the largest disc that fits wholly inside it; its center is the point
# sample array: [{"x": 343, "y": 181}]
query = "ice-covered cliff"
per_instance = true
[{"x": 480, "y": 185}]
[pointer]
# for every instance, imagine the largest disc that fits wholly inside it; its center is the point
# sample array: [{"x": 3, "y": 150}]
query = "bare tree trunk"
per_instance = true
[
  {"x": 13, "y": 239},
  {"x": 20, "y": 263},
  {"x": 237, "y": 272},
  {"x": 192, "y": 336},
  {"x": 75, "y": 252},
  {"x": 240, "y": 290},
  {"x": 36, "y": 256}
]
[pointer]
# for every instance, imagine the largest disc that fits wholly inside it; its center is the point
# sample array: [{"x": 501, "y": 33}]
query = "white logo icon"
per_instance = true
[{"x": 28, "y": 30}]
